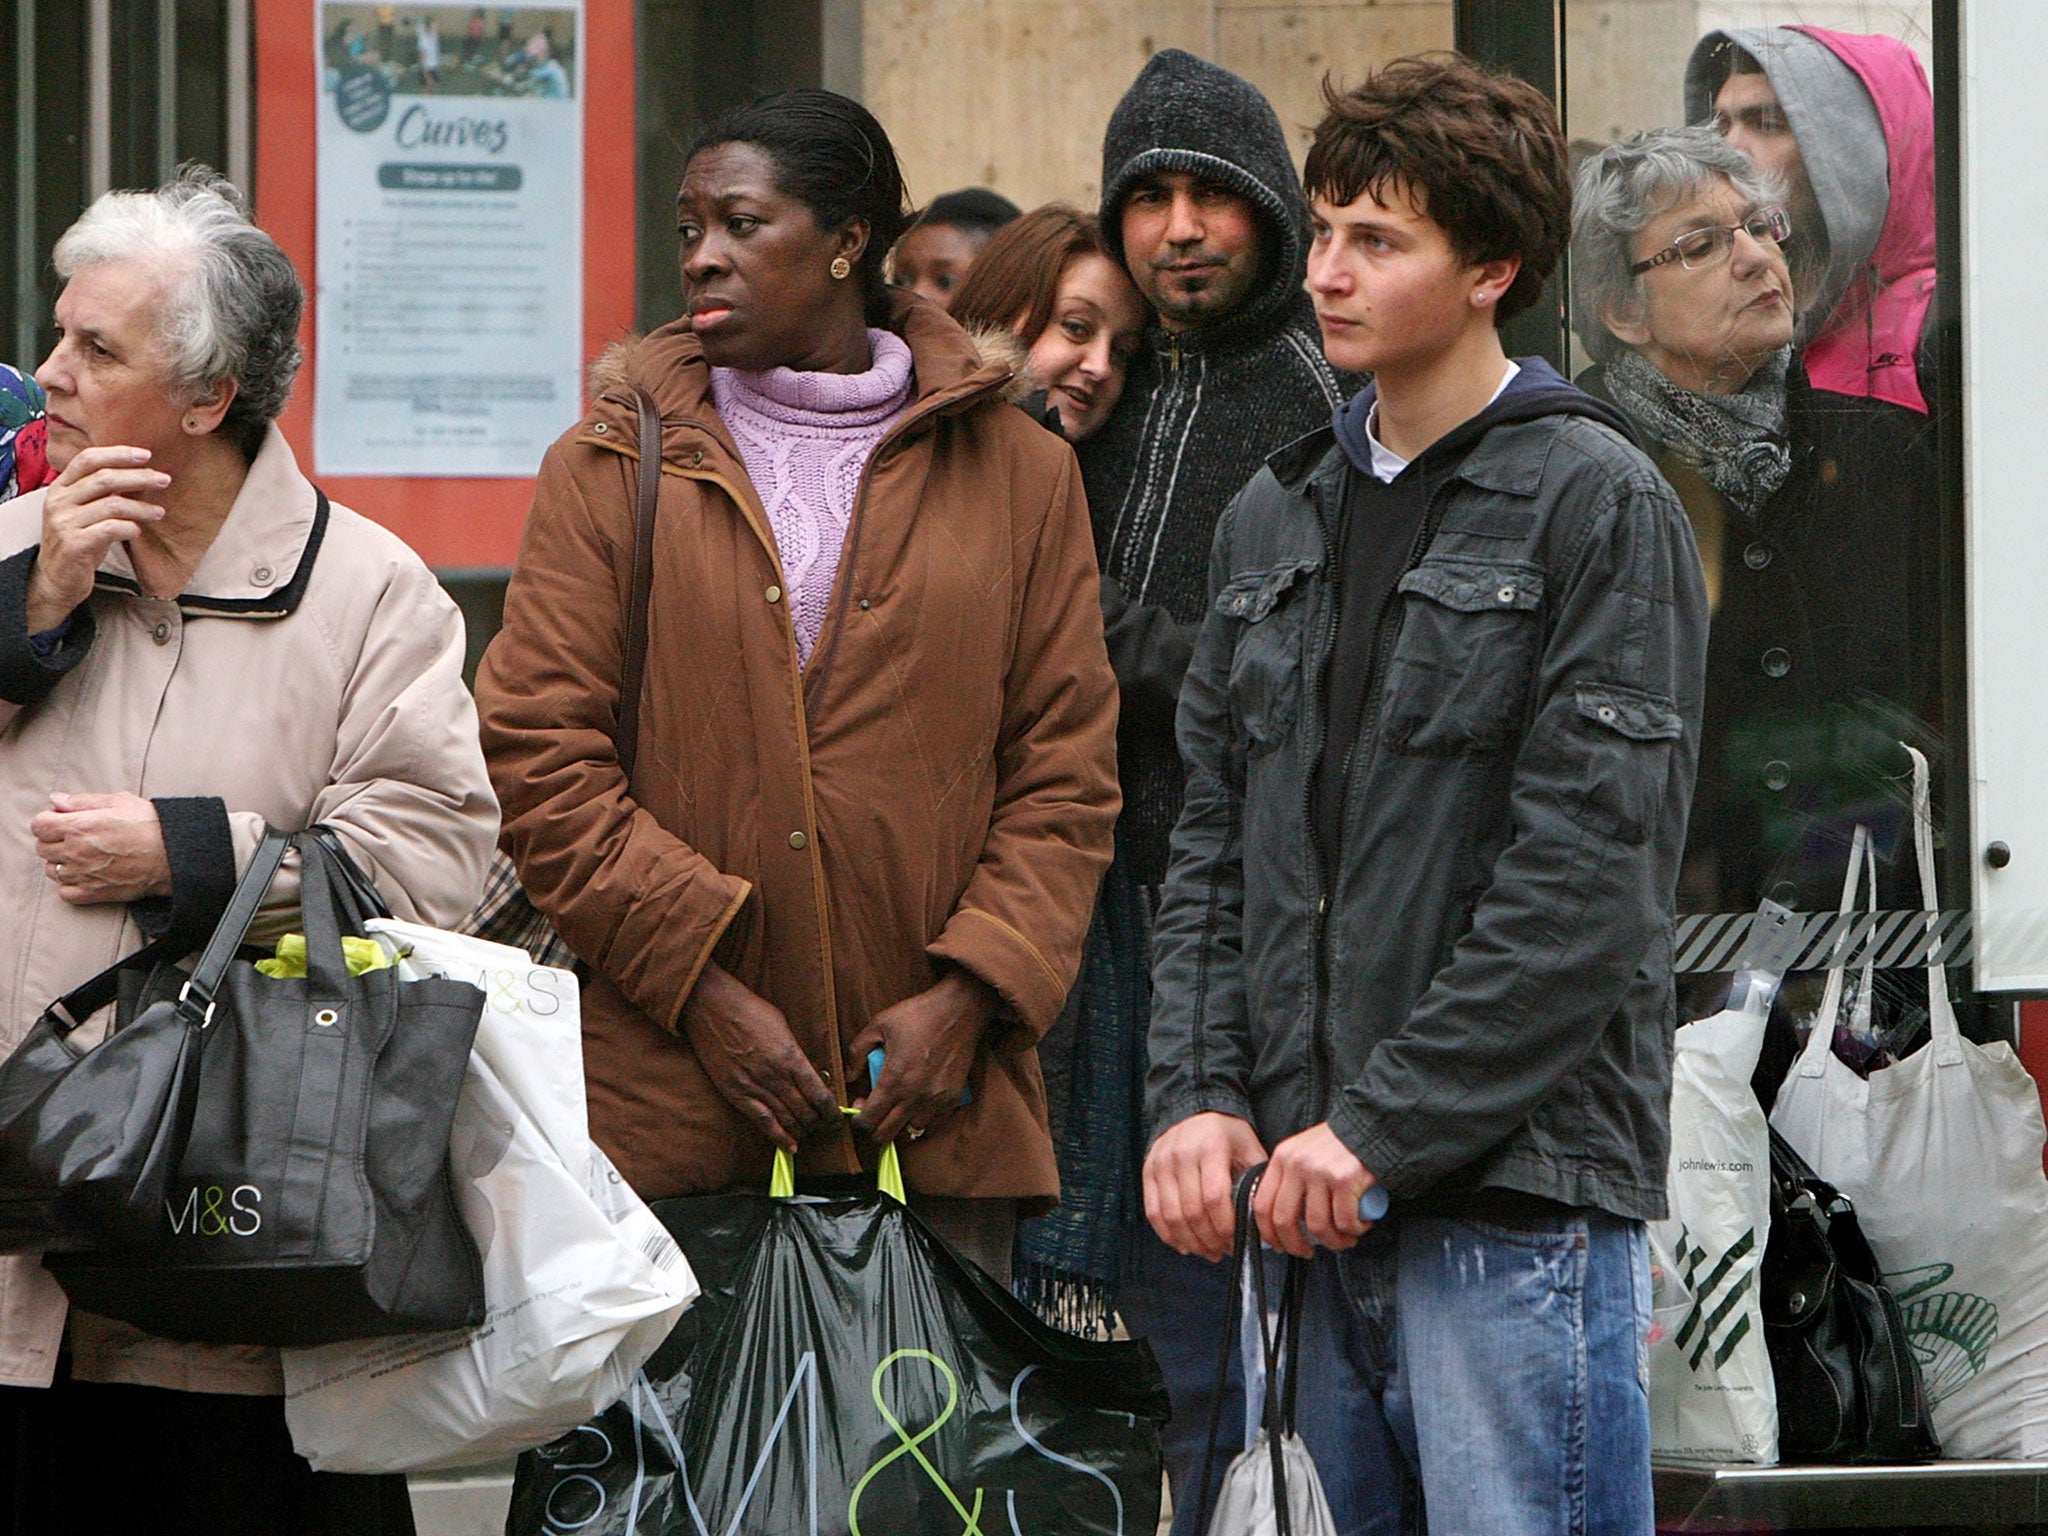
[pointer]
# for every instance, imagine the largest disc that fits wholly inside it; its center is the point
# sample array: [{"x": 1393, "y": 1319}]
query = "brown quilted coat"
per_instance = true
[{"x": 937, "y": 786}]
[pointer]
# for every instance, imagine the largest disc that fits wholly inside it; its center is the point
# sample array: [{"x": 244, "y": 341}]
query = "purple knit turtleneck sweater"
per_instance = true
[{"x": 806, "y": 438}]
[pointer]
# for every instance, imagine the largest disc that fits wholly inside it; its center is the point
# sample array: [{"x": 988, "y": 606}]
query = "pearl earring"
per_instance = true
[{"x": 841, "y": 268}]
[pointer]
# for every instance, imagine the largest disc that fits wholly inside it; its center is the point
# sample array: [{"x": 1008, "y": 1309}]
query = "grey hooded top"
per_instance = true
[
  {"x": 1841, "y": 142},
  {"x": 1200, "y": 412}
]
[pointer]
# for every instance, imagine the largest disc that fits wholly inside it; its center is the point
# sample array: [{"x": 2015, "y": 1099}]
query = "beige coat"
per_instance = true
[{"x": 311, "y": 671}]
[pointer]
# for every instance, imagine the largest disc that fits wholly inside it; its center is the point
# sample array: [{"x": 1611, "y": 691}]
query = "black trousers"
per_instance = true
[{"x": 87, "y": 1459}]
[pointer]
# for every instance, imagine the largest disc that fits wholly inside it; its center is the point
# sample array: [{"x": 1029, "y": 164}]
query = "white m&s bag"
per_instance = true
[
  {"x": 1712, "y": 1397},
  {"x": 581, "y": 1281}
]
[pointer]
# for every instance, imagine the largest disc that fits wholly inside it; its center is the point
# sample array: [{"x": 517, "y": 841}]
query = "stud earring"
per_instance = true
[
  {"x": 191, "y": 423},
  {"x": 841, "y": 268}
]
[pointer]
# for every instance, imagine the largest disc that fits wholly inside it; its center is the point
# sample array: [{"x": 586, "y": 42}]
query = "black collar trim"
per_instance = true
[{"x": 277, "y": 605}]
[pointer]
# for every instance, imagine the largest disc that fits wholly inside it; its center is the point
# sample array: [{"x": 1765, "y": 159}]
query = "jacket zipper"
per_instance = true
[
  {"x": 1323, "y": 1067},
  {"x": 841, "y": 596},
  {"x": 1319, "y": 1066}
]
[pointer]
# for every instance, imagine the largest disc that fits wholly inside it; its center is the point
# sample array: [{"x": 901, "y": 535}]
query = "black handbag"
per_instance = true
[
  {"x": 89, "y": 1139},
  {"x": 312, "y": 1201},
  {"x": 1849, "y": 1386}
]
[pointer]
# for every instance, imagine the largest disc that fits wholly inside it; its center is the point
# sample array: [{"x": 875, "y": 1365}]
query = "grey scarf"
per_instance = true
[{"x": 1737, "y": 441}]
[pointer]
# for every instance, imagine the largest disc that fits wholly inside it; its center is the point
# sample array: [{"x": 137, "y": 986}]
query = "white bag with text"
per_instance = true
[
  {"x": 581, "y": 1281},
  {"x": 1712, "y": 1398}
]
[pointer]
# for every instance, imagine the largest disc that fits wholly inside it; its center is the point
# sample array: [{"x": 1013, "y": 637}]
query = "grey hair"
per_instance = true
[
  {"x": 1619, "y": 191},
  {"x": 232, "y": 302}
]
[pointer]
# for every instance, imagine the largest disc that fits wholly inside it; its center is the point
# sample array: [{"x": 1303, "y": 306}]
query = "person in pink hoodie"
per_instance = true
[{"x": 1846, "y": 121}]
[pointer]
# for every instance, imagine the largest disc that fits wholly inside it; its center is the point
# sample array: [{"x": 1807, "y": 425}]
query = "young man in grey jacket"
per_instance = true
[{"x": 1441, "y": 726}]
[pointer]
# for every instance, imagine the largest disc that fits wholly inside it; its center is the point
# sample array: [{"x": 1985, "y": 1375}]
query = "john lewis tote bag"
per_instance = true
[{"x": 1941, "y": 1155}]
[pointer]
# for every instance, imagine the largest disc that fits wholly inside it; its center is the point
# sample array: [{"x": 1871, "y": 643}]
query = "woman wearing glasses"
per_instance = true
[{"x": 1811, "y": 511}]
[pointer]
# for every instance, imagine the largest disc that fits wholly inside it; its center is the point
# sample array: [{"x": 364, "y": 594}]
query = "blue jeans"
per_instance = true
[
  {"x": 1474, "y": 1379},
  {"x": 1181, "y": 1306}
]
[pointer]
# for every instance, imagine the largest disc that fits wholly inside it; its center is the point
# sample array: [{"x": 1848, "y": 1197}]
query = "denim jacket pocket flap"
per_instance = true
[
  {"x": 1638, "y": 716},
  {"x": 1255, "y": 594},
  {"x": 1473, "y": 587}
]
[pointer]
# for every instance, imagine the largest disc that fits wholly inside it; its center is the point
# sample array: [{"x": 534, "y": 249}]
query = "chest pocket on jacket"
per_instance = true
[
  {"x": 1265, "y": 669},
  {"x": 1459, "y": 678}
]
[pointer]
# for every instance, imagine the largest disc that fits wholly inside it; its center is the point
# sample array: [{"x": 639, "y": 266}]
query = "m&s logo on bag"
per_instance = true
[{"x": 202, "y": 1214}]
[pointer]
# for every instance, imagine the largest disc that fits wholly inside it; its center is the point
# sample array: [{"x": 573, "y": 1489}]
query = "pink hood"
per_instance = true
[{"x": 1869, "y": 345}]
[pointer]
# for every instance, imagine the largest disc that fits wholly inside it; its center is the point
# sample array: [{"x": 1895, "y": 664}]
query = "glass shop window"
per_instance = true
[{"x": 1751, "y": 283}]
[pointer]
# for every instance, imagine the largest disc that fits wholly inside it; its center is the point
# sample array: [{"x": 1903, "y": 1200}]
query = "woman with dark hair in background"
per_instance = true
[
  {"x": 1049, "y": 280},
  {"x": 875, "y": 771},
  {"x": 934, "y": 256}
]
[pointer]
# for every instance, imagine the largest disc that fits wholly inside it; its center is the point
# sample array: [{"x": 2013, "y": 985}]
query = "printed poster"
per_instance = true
[{"x": 450, "y": 284}]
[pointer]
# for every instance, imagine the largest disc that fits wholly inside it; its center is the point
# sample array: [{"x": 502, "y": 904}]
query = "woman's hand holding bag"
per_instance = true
[{"x": 749, "y": 1052}]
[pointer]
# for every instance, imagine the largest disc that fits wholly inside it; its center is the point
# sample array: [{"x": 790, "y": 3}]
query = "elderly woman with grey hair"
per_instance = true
[
  {"x": 194, "y": 642},
  {"x": 1813, "y": 513}
]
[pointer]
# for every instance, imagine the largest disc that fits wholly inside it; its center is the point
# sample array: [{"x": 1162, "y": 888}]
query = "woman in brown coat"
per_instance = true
[{"x": 875, "y": 770}]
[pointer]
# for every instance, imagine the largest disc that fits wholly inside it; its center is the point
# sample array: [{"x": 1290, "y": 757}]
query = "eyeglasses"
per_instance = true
[{"x": 1698, "y": 248}]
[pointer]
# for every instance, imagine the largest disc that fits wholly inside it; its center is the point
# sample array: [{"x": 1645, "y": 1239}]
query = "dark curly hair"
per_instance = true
[
  {"x": 1481, "y": 151},
  {"x": 832, "y": 156}
]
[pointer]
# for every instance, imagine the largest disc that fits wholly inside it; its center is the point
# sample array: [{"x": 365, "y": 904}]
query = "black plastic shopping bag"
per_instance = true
[{"x": 844, "y": 1373}]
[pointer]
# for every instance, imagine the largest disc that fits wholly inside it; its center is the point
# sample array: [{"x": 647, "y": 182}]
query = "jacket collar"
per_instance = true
[
  {"x": 949, "y": 374},
  {"x": 1512, "y": 448},
  {"x": 1511, "y": 457},
  {"x": 260, "y": 562}
]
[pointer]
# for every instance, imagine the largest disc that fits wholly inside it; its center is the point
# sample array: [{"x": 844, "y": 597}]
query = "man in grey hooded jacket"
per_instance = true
[{"x": 1201, "y": 202}]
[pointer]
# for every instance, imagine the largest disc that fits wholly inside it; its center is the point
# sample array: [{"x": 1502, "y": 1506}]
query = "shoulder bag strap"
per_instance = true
[
  {"x": 1820, "y": 1040},
  {"x": 1243, "y": 1240},
  {"x": 635, "y": 664},
  {"x": 89, "y": 997},
  {"x": 1946, "y": 1034},
  {"x": 360, "y": 889},
  {"x": 195, "y": 1000}
]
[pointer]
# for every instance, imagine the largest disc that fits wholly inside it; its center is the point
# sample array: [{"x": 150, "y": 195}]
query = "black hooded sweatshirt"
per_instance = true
[
  {"x": 1200, "y": 412},
  {"x": 1383, "y": 533}
]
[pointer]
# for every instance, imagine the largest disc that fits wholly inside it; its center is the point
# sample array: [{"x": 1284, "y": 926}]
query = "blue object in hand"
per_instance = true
[
  {"x": 1374, "y": 1203},
  {"x": 875, "y": 1076}
]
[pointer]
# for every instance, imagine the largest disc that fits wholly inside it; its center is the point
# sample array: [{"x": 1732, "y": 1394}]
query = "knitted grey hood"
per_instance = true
[
  {"x": 1186, "y": 114},
  {"x": 1841, "y": 141}
]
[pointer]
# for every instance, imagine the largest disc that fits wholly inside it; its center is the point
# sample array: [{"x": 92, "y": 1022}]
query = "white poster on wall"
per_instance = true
[{"x": 449, "y": 327}]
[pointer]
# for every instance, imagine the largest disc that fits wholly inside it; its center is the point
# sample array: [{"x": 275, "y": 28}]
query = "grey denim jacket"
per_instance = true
[{"x": 1480, "y": 994}]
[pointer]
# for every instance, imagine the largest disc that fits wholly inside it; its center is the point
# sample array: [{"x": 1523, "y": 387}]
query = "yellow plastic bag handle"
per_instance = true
[{"x": 888, "y": 1172}]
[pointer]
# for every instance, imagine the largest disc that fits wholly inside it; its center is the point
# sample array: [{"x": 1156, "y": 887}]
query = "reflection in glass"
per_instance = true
[
  {"x": 1846, "y": 122},
  {"x": 1814, "y": 511}
]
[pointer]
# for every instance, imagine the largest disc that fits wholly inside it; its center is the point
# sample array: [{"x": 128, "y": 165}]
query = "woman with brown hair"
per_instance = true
[{"x": 1047, "y": 278}]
